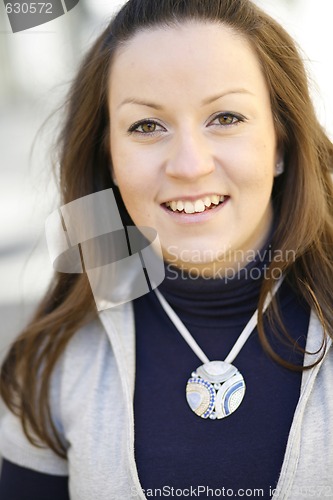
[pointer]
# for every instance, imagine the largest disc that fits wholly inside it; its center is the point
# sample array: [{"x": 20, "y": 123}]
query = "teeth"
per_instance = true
[
  {"x": 207, "y": 201},
  {"x": 199, "y": 206},
  {"x": 189, "y": 207},
  {"x": 196, "y": 206}
]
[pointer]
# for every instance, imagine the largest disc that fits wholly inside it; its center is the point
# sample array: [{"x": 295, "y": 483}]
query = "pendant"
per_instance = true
[{"x": 215, "y": 390}]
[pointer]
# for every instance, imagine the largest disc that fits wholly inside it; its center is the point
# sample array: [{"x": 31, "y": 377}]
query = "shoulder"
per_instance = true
[
  {"x": 83, "y": 346},
  {"x": 95, "y": 340},
  {"x": 87, "y": 352},
  {"x": 86, "y": 364}
]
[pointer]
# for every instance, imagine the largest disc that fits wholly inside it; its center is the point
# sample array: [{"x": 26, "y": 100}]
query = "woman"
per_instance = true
[{"x": 198, "y": 115}]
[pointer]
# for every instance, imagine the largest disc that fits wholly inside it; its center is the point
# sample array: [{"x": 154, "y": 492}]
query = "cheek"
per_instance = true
[
  {"x": 132, "y": 182},
  {"x": 131, "y": 164},
  {"x": 251, "y": 165}
]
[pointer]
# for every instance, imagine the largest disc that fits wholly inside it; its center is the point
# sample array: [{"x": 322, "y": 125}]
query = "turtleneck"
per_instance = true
[
  {"x": 230, "y": 299},
  {"x": 171, "y": 442}
]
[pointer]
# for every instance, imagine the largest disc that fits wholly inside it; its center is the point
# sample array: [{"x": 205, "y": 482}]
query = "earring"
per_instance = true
[{"x": 279, "y": 168}]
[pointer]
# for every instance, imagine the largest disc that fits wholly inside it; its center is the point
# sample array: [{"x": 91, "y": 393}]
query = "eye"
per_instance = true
[
  {"x": 227, "y": 119},
  {"x": 145, "y": 127}
]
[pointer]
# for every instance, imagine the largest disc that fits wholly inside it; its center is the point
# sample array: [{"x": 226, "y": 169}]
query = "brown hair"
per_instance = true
[{"x": 302, "y": 196}]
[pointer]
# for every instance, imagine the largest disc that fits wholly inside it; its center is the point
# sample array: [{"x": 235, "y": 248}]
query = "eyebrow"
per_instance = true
[
  {"x": 133, "y": 100},
  {"x": 214, "y": 98},
  {"x": 205, "y": 102}
]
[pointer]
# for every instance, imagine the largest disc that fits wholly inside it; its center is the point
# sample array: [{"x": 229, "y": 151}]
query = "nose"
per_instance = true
[{"x": 190, "y": 158}]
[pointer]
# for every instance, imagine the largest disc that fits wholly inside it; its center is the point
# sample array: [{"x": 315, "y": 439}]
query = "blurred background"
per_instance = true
[{"x": 36, "y": 67}]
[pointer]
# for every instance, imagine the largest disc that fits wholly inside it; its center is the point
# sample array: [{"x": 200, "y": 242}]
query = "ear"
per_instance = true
[{"x": 279, "y": 165}]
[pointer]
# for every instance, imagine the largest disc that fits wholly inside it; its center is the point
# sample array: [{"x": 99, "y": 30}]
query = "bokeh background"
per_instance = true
[{"x": 36, "y": 67}]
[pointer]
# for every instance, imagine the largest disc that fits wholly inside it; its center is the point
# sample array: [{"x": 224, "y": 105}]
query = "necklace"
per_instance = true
[{"x": 216, "y": 388}]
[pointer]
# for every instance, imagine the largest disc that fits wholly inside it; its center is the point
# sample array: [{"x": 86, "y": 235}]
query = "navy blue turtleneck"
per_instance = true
[{"x": 174, "y": 447}]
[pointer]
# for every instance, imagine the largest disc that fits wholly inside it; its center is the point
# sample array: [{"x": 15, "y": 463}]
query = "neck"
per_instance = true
[{"x": 226, "y": 263}]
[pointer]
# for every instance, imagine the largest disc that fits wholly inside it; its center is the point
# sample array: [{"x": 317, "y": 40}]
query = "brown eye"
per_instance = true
[
  {"x": 148, "y": 127},
  {"x": 226, "y": 119}
]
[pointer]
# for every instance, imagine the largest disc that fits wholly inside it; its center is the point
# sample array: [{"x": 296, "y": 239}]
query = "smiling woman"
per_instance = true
[
  {"x": 206, "y": 138},
  {"x": 198, "y": 115}
]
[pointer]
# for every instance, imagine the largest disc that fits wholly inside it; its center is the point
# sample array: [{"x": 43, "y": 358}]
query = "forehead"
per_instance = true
[{"x": 196, "y": 56}]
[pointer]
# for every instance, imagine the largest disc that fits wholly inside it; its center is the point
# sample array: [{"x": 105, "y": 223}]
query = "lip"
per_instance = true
[{"x": 197, "y": 217}]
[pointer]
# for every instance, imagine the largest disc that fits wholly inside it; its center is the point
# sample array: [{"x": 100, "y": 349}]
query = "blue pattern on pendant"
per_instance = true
[{"x": 229, "y": 394}]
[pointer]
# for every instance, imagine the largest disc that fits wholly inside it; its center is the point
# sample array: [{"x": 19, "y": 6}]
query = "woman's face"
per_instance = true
[{"x": 193, "y": 142}]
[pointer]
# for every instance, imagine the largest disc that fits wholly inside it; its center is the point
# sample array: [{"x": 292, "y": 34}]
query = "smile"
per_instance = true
[{"x": 195, "y": 206}]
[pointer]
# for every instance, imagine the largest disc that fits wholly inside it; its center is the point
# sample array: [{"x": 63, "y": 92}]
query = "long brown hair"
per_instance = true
[{"x": 302, "y": 196}]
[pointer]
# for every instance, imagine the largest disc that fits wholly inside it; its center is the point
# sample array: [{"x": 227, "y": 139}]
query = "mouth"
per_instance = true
[{"x": 199, "y": 205}]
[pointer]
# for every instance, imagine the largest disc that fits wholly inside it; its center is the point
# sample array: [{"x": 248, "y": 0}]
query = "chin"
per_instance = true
[{"x": 194, "y": 254}]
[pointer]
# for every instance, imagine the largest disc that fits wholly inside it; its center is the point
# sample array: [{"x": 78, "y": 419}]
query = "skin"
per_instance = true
[{"x": 205, "y": 127}]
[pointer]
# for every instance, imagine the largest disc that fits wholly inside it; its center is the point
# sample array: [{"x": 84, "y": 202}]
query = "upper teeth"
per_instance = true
[{"x": 190, "y": 207}]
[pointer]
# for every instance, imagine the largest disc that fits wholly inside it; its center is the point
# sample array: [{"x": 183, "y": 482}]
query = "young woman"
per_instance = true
[{"x": 198, "y": 115}]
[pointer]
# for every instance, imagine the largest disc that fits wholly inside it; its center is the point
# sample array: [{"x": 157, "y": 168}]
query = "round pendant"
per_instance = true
[{"x": 215, "y": 390}]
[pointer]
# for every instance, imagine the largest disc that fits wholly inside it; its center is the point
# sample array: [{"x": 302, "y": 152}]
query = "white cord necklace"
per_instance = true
[{"x": 216, "y": 388}]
